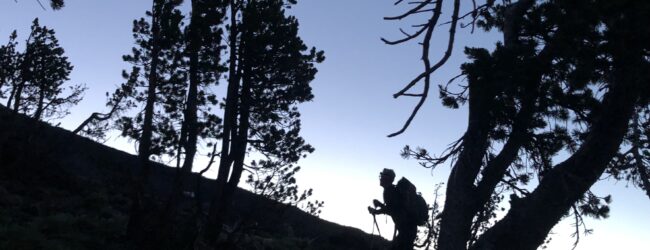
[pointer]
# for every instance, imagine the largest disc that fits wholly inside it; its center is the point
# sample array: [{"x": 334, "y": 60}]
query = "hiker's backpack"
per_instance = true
[{"x": 415, "y": 205}]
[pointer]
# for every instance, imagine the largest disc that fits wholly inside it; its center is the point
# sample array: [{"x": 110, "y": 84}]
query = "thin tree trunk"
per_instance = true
[
  {"x": 192, "y": 96},
  {"x": 17, "y": 95},
  {"x": 11, "y": 96},
  {"x": 39, "y": 107},
  {"x": 136, "y": 218},
  {"x": 215, "y": 219},
  {"x": 17, "y": 92},
  {"x": 189, "y": 130},
  {"x": 240, "y": 143}
]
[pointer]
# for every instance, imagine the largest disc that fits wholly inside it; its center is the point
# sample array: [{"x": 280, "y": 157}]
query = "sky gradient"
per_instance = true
[{"x": 351, "y": 114}]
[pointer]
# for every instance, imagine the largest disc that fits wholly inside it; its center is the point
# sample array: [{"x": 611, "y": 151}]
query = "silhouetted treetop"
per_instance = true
[
  {"x": 35, "y": 78},
  {"x": 270, "y": 69}
]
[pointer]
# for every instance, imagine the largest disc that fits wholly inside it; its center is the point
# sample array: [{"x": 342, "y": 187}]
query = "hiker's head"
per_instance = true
[{"x": 386, "y": 177}]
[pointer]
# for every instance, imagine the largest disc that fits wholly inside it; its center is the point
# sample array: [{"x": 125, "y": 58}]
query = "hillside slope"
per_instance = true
[{"x": 62, "y": 191}]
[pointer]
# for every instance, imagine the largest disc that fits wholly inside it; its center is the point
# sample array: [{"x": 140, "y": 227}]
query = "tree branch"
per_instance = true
[
  {"x": 450, "y": 44},
  {"x": 411, "y": 11},
  {"x": 425, "y": 58},
  {"x": 563, "y": 185},
  {"x": 98, "y": 116}
]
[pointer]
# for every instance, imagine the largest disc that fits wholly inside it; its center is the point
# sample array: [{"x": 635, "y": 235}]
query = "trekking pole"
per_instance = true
[
  {"x": 372, "y": 237},
  {"x": 374, "y": 219}
]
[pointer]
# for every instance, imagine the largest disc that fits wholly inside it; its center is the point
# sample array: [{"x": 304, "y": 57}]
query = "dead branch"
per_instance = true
[
  {"x": 412, "y": 11},
  {"x": 425, "y": 58},
  {"x": 99, "y": 116}
]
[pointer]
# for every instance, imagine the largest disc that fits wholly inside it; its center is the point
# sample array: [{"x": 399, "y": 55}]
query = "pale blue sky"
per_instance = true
[{"x": 353, "y": 110}]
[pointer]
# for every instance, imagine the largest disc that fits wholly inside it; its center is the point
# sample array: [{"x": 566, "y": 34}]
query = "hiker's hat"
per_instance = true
[{"x": 388, "y": 173}]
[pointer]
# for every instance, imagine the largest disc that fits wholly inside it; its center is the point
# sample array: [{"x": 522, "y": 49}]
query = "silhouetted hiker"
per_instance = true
[{"x": 407, "y": 208}]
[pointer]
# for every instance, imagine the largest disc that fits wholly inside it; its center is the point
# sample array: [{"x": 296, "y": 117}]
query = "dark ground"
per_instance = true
[{"x": 62, "y": 191}]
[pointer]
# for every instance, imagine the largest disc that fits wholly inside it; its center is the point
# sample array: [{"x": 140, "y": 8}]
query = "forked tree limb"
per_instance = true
[{"x": 425, "y": 58}]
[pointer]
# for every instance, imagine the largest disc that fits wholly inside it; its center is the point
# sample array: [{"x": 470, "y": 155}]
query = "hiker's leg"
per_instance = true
[
  {"x": 410, "y": 236},
  {"x": 395, "y": 242},
  {"x": 405, "y": 238}
]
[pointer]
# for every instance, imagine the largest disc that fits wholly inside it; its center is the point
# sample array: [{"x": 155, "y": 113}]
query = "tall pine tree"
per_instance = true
[{"x": 270, "y": 69}]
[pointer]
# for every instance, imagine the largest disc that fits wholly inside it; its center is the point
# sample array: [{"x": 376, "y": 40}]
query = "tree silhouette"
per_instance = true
[
  {"x": 270, "y": 69},
  {"x": 37, "y": 76},
  {"x": 156, "y": 63},
  {"x": 567, "y": 78},
  {"x": 278, "y": 183},
  {"x": 9, "y": 65},
  {"x": 167, "y": 102},
  {"x": 203, "y": 50}
]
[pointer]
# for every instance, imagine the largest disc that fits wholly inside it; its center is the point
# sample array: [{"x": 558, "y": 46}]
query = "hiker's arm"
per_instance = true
[
  {"x": 377, "y": 203},
  {"x": 384, "y": 210},
  {"x": 380, "y": 208},
  {"x": 376, "y": 211}
]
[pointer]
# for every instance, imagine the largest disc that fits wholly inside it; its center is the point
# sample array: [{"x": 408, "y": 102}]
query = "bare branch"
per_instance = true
[
  {"x": 425, "y": 57},
  {"x": 413, "y": 95},
  {"x": 447, "y": 54},
  {"x": 41, "y": 4},
  {"x": 431, "y": 162},
  {"x": 473, "y": 13},
  {"x": 579, "y": 221},
  {"x": 514, "y": 187},
  {"x": 405, "y": 39},
  {"x": 212, "y": 156},
  {"x": 411, "y": 11},
  {"x": 98, "y": 116}
]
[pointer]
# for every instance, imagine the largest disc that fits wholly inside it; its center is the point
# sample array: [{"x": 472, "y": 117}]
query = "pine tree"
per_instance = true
[
  {"x": 37, "y": 76},
  {"x": 270, "y": 69},
  {"x": 170, "y": 88},
  {"x": 9, "y": 64},
  {"x": 203, "y": 51},
  {"x": 156, "y": 61}
]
